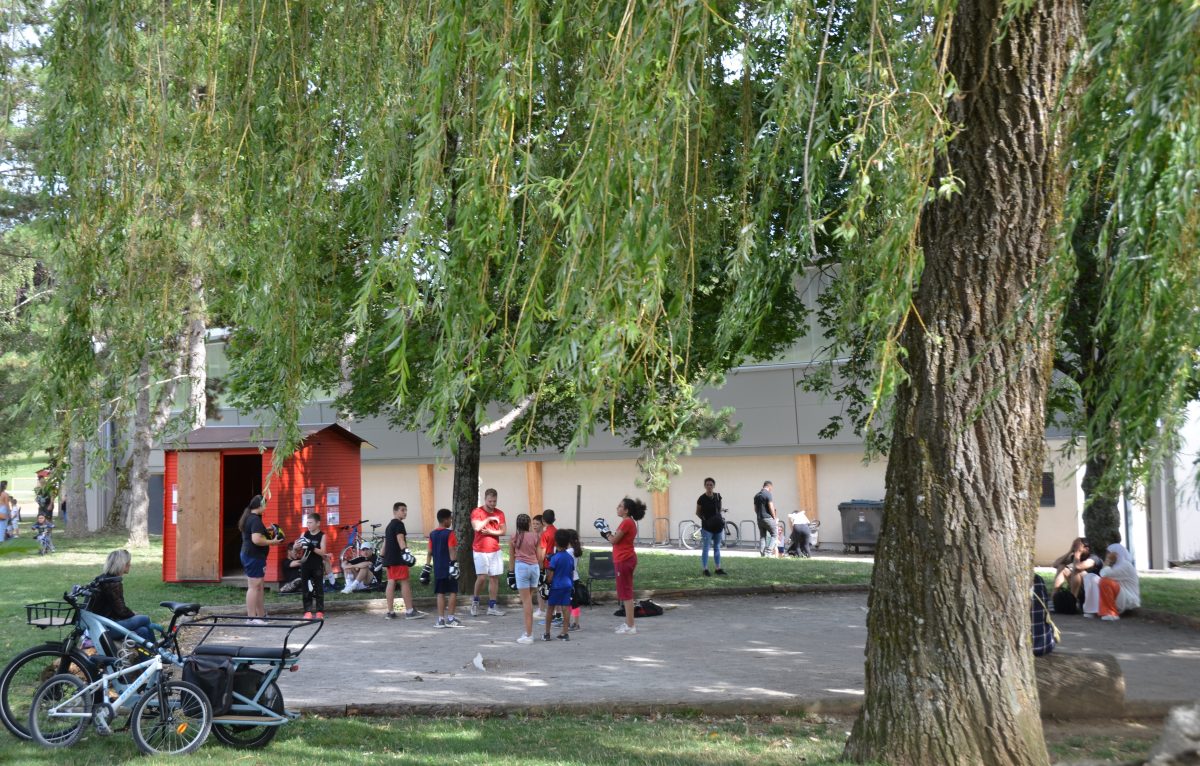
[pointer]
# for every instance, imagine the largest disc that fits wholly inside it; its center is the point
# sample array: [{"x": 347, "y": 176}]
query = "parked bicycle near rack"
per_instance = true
[{"x": 689, "y": 535}]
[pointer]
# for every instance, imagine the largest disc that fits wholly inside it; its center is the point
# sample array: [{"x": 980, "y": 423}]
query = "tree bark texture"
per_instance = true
[
  {"x": 197, "y": 352},
  {"x": 1101, "y": 517},
  {"x": 949, "y": 668},
  {"x": 464, "y": 499},
  {"x": 74, "y": 493}
]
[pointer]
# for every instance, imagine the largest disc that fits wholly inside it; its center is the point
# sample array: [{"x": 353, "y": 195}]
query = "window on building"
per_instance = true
[{"x": 1047, "y": 489}]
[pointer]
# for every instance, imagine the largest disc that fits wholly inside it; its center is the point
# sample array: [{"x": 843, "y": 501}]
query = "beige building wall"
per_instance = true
[{"x": 601, "y": 484}]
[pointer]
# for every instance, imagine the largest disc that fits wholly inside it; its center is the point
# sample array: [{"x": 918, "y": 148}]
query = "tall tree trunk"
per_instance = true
[
  {"x": 74, "y": 493},
  {"x": 197, "y": 351},
  {"x": 1101, "y": 517},
  {"x": 464, "y": 499},
  {"x": 949, "y": 668},
  {"x": 147, "y": 424}
]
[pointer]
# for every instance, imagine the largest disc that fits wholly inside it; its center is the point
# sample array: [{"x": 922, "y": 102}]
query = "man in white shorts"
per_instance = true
[{"x": 488, "y": 522}]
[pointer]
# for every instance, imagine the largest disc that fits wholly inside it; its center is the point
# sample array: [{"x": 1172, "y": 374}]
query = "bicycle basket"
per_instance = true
[{"x": 50, "y": 614}]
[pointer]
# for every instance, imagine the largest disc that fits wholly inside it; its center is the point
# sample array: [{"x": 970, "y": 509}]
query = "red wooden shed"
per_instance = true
[{"x": 211, "y": 474}]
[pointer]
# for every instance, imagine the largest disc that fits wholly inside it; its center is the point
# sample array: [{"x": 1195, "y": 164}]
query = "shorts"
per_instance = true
[
  {"x": 445, "y": 585},
  {"x": 625, "y": 578},
  {"x": 527, "y": 575},
  {"x": 398, "y": 572},
  {"x": 489, "y": 563},
  {"x": 560, "y": 597},
  {"x": 255, "y": 567}
]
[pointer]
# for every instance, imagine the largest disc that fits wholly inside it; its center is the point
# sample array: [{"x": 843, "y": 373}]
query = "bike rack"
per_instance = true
[
  {"x": 751, "y": 538},
  {"x": 662, "y": 533}
]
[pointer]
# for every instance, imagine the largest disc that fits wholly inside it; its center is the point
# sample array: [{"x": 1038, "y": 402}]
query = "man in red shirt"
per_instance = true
[
  {"x": 489, "y": 524},
  {"x": 545, "y": 551}
]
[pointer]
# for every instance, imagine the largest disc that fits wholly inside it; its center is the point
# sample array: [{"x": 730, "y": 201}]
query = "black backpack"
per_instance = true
[
  {"x": 715, "y": 522},
  {"x": 1065, "y": 602}
]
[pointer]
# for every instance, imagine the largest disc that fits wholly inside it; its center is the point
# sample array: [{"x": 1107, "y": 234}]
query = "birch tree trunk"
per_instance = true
[
  {"x": 197, "y": 357},
  {"x": 147, "y": 424},
  {"x": 949, "y": 668}
]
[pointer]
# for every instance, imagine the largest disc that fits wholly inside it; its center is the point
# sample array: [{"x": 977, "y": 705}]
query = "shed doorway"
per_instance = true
[{"x": 241, "y": 480}]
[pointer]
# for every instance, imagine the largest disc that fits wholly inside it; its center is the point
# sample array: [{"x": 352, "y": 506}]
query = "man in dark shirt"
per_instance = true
[{"x": 768, "y": 520}]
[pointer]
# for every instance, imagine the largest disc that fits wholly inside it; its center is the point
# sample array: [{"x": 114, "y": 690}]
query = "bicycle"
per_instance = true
[
  {"x": 690, "y": 535},
  {"x": 42, "y": 535},
  {"x": 25, "y": 673},
  {"x": 168, "y": 717}
]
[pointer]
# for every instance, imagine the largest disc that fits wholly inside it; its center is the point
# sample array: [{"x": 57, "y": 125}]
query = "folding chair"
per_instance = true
[{"x": 600, "y": 567}]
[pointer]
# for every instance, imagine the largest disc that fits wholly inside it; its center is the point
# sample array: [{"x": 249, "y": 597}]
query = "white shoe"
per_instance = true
[
  {"x": 1110, "y": 617},
  {"x": 625, "y": 629},
  {"x": 538, "y": 614},
  {"x": 474, "y": 608},
  {"x": 525, "y": 639},
  {"x": 494, "y": 611},
  {"x": 349, "y": 587}
]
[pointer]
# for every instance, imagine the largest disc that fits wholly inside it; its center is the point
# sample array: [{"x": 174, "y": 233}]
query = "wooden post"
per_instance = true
[
  {"x": 533, "y": 485},
  {"x": 428, "y": 511},
  {"x": 806, "y": 485},
  {"x": 662, "y": 515}
]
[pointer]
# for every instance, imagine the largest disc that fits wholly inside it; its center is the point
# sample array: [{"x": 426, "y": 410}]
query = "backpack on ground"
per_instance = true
[{"x": 1065, "y": 602}]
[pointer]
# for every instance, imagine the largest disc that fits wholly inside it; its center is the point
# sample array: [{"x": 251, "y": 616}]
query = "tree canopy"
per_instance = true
[{"x": 547, "y": 190}]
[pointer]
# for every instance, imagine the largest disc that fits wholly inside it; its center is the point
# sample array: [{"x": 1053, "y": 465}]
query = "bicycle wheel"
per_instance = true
[
  {"x": 689, "y": 534},
  {"x": 732, "y": 538},
  {"x": 249, "y": 737},
  {"x": 50, "y": 731},
  {"x": 172, "y": 718},
  {"x": 25, "y": 674}
]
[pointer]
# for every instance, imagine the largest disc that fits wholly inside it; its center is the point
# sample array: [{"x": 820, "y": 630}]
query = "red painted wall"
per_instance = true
[{"x": 326, "y": 460}]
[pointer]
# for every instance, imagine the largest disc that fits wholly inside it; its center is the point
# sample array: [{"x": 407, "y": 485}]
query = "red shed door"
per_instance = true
[{"x": 198, "y": 530}]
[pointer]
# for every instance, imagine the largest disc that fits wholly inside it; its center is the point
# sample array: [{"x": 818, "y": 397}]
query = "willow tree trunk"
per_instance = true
[
  {"x": 949, "y": 669},
  {"x": 463, "y": 500}
]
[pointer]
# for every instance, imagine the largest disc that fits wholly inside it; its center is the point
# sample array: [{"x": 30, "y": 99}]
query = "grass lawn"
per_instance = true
[
  {"x": 1168, "y": 595},
  {"x": 522, "y": 741}
]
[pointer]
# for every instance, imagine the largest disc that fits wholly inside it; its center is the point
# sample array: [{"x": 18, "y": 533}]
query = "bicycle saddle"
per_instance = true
[{"x": 179, "y": 608}]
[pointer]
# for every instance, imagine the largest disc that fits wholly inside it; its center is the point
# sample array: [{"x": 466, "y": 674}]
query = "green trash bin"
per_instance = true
[{"x": 861, "y": 520}]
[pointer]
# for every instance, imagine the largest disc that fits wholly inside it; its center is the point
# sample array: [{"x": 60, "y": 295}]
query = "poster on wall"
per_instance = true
[
  {"x": 308, "y": 498},
  {"x": 333, "y": 516},
  {"x": 333, "y": 497},
  {"x": 175, "y": 505}
]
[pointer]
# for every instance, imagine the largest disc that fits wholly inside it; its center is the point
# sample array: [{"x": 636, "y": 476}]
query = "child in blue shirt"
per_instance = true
[
  {"x": 561, "y": 574},
  {"x": 443, "y": 545}
]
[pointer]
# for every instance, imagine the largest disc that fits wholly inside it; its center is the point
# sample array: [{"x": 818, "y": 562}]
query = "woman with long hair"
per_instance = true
[
  {"x": 624, "y": 558},
  {"x": 255, "y": 546}
]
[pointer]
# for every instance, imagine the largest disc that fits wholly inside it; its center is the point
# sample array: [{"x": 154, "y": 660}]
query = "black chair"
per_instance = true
[{"x": 600, "y": 567}]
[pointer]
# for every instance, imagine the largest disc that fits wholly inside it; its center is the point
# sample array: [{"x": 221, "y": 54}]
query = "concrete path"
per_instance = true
[{"x": 746, "y": 653}]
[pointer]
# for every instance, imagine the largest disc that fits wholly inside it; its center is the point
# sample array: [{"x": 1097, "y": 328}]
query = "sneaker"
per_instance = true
[
  {"x": 563, "y": 637},
  {"x": 308, "y": 615},
  {"x": 1110, "y": 618},
  {"x": 575, "y": 626},
  {"x": 720, "y": 571},
  {"x": 626, "y": 630},
  {"x": 1089, "y": 615},
  {"x": 539, "y": 614},
  {"x": 349, "y": 588},
  {"x": 546, "y": 637},
  {"x": 525, "y": 639},
  {"x": 413, "y": 614},
  {"x": 440, "y": 623},
  {"x": 557, "y": 619},
  {"x": 474, "y": 608},
  {"x": 320, "y": 615},
  {"x": 495, "y": 611},
  {"x": 454, "y": 622},
  {"x": 257, "y": 621},
  {"x": 389, "y": 616},
  {"x": 706, "y": 573}
]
